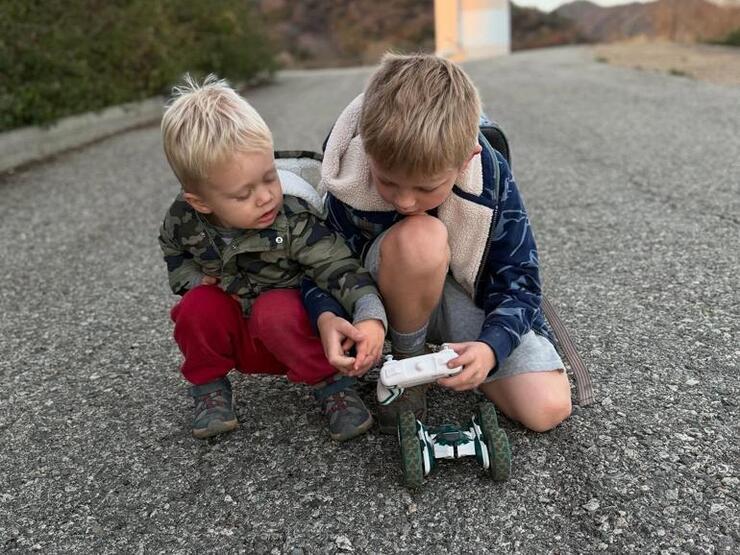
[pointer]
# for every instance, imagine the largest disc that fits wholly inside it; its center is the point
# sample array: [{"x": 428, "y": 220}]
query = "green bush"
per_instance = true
[
  {"x": 62, "y": 57},
  {"x": 733, "y": 39}
]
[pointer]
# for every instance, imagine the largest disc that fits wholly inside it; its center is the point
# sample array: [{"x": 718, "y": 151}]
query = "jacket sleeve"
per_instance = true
[
  {"x": 317, "y": 301},
  {"x": 512, "y": 294},
  {"x": 182, "y": 271},
  {"x": 328, "y": 261}
]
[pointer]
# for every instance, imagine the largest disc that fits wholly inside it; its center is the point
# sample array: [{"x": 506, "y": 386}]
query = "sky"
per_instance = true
[{"x": 549, "y": 5}]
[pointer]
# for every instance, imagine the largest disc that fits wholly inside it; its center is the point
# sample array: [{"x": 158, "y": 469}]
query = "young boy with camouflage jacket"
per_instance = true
[
  {"x": 237, "y": 250},
  {"x": 436, "y": 215}
]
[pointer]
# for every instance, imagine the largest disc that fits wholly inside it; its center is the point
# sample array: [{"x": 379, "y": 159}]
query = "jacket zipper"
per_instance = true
[
  {"x": 232, "y": 246},
  {"x": 484, "y": 261}
]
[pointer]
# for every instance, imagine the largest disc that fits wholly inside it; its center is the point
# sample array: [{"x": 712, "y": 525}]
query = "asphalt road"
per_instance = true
[{"x": 632, "y": 180}]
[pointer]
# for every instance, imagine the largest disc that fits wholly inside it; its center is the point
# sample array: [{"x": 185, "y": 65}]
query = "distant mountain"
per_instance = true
[
  {"x": 321, "y": 33},
  {"x": 679, "y": 20},
  {"x": 531, "y": 28}
]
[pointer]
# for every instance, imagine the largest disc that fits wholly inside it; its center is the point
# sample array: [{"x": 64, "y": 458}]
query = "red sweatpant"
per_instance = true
[{"x": 214, "y": 336}]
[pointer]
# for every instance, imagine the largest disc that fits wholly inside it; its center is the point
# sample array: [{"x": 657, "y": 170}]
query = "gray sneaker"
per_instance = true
[
  {"x": 346, "y": 413},
  {"x": 413, "y": 399},
  {"x": 214, "y": 411}
]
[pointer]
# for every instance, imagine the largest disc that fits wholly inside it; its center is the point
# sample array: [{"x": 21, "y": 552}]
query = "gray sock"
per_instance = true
[{"x": 405, "y": 345}]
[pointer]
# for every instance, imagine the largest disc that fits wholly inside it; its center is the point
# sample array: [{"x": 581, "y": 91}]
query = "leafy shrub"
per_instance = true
[
  {"x": 733, "y": 39},
  {"x": 62, "y": 57}
]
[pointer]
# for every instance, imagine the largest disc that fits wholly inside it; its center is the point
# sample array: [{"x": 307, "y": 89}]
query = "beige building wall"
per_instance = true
[{"x": 469, "y": 29}]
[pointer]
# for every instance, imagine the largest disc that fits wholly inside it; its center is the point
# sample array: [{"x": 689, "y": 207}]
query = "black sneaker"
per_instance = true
[
  {"x": 346, "y": 413},
  {"x": 214, "y": 412}
]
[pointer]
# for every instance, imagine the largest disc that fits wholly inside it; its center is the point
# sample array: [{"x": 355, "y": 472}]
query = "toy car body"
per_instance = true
[{"x": 421, "y": 446}]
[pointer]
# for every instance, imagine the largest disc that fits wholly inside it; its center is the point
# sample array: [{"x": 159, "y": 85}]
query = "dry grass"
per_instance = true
[{"x": 717, "y": 64}]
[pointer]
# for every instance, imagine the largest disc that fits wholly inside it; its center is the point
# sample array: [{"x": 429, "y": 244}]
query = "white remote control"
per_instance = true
[
  {"x": 397, "y": 375},
  {"x": 409, "y": 372}
]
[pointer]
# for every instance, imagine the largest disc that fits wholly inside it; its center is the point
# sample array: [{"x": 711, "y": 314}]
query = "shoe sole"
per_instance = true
[
  {"x": 361, "y": 429},
  {"x": 215, "y": 429}
]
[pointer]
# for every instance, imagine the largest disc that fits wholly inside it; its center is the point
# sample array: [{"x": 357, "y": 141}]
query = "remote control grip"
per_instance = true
[{"x": 413, "y": 371}]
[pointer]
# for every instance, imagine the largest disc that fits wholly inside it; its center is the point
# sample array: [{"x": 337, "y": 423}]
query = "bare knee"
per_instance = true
[
  {"x": 546, "y": 415},
  {"x": 418, "y": 244}
]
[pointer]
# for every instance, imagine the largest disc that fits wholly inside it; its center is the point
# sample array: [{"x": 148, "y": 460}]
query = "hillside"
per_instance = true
[
  {"x": 321, "y": 33},
  {"x": 678, "y": 20},
  {"x": 531, "y": 28},
  {"x": 318, "y": 33}
]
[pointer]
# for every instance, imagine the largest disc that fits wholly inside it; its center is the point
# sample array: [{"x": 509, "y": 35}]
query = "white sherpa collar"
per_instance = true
[{"x": 345, "y": 171}]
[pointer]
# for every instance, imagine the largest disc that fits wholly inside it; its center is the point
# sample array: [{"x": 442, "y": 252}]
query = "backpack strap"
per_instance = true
[
  {"x": 282, "y": 154},
  {"x": 495, "y": 137},
  {"x": 585, "y": 393}
]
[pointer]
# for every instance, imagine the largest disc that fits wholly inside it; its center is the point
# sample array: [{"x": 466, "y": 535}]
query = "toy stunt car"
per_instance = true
[{"x": 422, "y": 446}]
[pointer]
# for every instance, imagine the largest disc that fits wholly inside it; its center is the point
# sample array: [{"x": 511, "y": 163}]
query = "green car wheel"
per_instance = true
[
  {"x": 411, "y": 456},
  {"x": 499, "y": 452}
]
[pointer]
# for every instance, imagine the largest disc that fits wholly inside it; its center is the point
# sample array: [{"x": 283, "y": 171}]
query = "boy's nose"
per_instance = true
[
  {"x": 264, "y": 195},
  {"x": 405, "y": 203}
]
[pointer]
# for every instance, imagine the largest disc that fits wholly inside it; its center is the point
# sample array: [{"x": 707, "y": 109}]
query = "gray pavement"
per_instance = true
[{"x": 633, "y": 184}]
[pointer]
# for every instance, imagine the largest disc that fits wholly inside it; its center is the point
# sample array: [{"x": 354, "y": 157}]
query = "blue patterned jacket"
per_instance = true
[{"x": 494, "y": 256}]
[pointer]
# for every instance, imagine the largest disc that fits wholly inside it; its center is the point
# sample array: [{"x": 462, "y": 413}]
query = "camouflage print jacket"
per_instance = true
[{"x": 297, "y": 245}]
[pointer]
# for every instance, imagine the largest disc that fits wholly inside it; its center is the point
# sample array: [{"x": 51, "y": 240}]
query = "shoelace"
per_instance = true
[
  {"x": 336, "y": 402},
  {"x": 214, "y": 399}
]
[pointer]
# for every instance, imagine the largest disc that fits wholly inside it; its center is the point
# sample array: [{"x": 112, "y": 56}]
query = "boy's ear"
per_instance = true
[
  {"x": 477, "y": 150},
  {"x": 197, "y": 202}
]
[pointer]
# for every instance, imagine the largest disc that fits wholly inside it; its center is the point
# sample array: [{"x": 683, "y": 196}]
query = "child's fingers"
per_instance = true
[
  {"x": 464, "y": 358},
  {"x": 467, "y": 379},
  {"x": 336, "y": 356},
  {"x": 343, "y": 364},
  {"x": 364, "y": 365},
  {"x": 362, "y": 350},
  {"x": 350, "y": 332},
  {"x": 347, "y": 344}
]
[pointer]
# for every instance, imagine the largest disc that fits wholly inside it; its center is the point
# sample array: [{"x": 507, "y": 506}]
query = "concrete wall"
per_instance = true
[
  {"x": 29, "y": 144},
  {"x": 469, "y": 29}
]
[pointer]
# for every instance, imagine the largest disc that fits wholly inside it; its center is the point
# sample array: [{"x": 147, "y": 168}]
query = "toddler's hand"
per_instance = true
[
  {"x": 209, "y": 280},
  {"x": 476, "y": 358},
  {"x": 337, "y": 336},
  {"x": 369, "y": 349}
]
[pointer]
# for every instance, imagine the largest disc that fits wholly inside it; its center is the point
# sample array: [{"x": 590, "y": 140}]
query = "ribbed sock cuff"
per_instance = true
[{"x": 408, "y": 344}]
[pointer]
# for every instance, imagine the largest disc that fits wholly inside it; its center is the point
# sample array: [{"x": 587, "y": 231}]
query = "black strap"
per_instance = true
[{"x": 298, "y": 154}]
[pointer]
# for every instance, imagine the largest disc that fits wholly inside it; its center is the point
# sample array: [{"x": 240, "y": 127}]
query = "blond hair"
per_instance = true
[
  {"x": 420, "y": 114},
  {"x": 206, "y": 123}
]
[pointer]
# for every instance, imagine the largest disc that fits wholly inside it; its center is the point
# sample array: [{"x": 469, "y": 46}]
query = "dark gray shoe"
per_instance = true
[
  {"x": 413, "y": 399},
  {"x": 346, "y": 413},
  {"x": 214, "y": 410}
]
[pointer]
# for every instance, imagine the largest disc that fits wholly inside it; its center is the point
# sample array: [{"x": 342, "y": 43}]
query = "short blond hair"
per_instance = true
[
  {"x": 205, "y": 123},
  {"x": 420, "y": 115}
]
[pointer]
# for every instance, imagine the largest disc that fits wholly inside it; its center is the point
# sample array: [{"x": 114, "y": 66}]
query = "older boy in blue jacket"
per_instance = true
[{"x": 436, "y": 216}]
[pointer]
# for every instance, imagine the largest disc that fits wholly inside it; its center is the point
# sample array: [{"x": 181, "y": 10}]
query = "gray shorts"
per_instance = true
[{"x": 456, "y": 319}]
